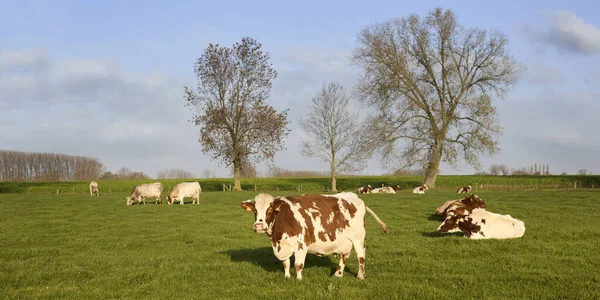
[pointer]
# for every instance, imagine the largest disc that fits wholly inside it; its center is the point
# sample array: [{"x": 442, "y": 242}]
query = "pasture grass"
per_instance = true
[{"x": 73, "y": 246}]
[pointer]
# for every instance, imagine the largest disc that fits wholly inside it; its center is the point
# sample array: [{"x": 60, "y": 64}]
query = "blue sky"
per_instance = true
[{"x": 105, "y": 78}]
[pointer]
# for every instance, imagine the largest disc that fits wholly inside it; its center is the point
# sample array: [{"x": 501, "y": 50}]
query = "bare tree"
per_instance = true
[
  {"x": 333, "y": 132},
  {"x": 431, "y": 81},
  {"x": 504, "y": 170},
  {"x": 174, "y": 174},
  {"x": 26, "y": 166},
  {"x": 582, "y": 172},
  {"x": 208, "y": 174},
  {"x": 495, "y": 169},
  {"x": 236, "y": 125}
]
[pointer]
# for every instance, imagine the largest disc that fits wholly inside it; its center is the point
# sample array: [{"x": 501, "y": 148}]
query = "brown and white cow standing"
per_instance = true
[
  {"x": 482, "y": 224},
  {"x": 146, "y": 190},
  {"x": 316, "y": 224},
  {"x": 94, "y": 189},
  {"x": 464, "y": 190},
  {"x": 185, "y": 189}
]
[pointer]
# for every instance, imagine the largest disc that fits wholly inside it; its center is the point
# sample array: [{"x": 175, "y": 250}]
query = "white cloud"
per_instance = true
[
  {"x": 538, "y": 73},
  {"x": 565, "y": 31}
]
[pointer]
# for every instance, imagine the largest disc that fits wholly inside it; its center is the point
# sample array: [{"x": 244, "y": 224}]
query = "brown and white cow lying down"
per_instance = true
[
  {"x": 94, "y": 189},
  {"x": 420, "y": 189},
  {"x": 364, "y": 190},
  {"x": 145, "y": 190},
  {"x": 464, "y": 190},
  {"x": 185, "y": 189},
  {"x": 468, "y": 204},
  {"x": 386, "y": 190},
  {"x": 482, "y": 224},
  {"x": 316, "y": 224}
]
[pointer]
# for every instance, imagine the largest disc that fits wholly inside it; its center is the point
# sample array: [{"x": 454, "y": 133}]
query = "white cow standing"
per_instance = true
[
  {"x": 146, "y": 190},
  {"x": 94, "y": 189},
  {"x": 185, "y": 189}
]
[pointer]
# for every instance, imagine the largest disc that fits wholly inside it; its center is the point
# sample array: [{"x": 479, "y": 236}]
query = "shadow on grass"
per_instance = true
[
  {"x": 436, "y": 234},
  {"x": 434, "y": 217},
  {"x": 264, "y": 258}
]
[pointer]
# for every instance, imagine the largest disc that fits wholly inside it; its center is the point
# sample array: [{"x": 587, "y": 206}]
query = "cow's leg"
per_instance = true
[
  {"x": 299, "y": 258},
  {"x": 359, "y": 247},
  {"x": 344, "y": 254},
  {"x": 339, "y": 272},
  {"x": 286, "y": 267},
  {"x": 181, "y": 200}
]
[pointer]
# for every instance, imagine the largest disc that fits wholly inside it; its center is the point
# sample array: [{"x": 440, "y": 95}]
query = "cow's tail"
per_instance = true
[{"x": 383, "y": 226}]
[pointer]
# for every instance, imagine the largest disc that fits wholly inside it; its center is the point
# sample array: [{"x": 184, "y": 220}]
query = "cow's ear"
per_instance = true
[
  {"x": 248, "y": 205},
  {"x": 277, "y": 204}
]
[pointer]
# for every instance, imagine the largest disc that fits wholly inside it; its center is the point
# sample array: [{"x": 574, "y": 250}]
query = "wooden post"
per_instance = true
[{"x": 57, "y": 191}]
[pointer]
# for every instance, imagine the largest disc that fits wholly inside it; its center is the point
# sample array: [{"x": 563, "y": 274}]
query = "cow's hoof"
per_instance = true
[{"x": 360, "y": 277}]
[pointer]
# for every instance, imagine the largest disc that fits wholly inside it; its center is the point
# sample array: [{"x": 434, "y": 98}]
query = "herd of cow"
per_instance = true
[
  {"x": 368, "y": 189},
  {"x": 335, "y": 224},
  {"x": 149, "y": 190}
]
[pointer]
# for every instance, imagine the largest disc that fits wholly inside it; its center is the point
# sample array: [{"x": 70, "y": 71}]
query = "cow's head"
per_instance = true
[
  {"x": 473, "y": 202},
  {"x": 129, "y": 200},
  {"x": 169, "y": 200},
  {"x": 264, "y": 207},
  {"x": 396, "y": 187}
]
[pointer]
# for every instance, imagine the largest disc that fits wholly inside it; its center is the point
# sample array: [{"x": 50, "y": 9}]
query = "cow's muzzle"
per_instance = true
[{"x": 260, "y": 227}]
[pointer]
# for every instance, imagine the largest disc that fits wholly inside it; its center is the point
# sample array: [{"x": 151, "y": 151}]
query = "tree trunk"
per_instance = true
[
  {"x": 333, "y": 181},
  {"x": 434, "y": 166},
  {"x": 236, "y": 175}
]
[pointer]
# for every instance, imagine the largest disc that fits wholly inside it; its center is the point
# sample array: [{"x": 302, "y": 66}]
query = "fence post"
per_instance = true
[
  {"x": 110, "y": 191},
  {"x": 73, "y": 190},
  {"x": 57, "y": 191}
]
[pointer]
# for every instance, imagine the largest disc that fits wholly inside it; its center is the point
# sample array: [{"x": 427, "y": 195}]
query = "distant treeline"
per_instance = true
[{"x": 26, "y": 166}]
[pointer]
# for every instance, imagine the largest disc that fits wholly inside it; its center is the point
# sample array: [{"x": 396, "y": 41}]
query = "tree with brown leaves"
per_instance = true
[
  {"x": 236, "y": 125},
  {"x": 431, "y": 82}
]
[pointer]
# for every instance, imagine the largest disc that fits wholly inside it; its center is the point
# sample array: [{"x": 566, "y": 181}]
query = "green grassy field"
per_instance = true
[
  {"x": 72, "y": 246},
  {"x": 347, "y": 183}
]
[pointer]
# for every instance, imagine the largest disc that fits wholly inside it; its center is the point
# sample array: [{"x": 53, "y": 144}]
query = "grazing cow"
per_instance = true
[
  {"x": 420, "y": 189},
  {"x": 364, "y": 190},
  {"x": 386, "y": 190},
  {"x": 185, "y": 189},
  {"x": 468, "y": 203},
  {"x": 464, "y": 190},
  {"x": 94, "y": 189},
  {"x": 482, "y": 224},
  {"x": 145, "y": 190},
  {"x": 316, "y": 224}
]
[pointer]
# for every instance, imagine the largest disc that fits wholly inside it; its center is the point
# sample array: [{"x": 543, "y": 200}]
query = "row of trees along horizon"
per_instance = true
[{"x": 428, "y": 83}]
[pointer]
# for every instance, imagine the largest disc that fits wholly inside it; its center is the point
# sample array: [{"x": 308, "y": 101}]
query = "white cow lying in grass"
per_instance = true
[
  {"x": 185, "y": 189},
  {"x": 482, "y": 224},
  {"x": 420, "y": 189},
  {"x": 146, "y": 190},
  {"x": 386, "y": 190}
]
